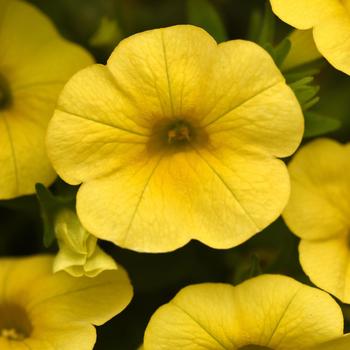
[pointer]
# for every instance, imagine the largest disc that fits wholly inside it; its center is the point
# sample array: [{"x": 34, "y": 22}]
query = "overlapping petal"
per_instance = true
[
  {"x": 61, "y": 308},
  {"x": 36, "y": 66},
  {"x": 318, "y": 212},
  {"x": 330, "y": 20},
  {"x": 272, "y": 311}
]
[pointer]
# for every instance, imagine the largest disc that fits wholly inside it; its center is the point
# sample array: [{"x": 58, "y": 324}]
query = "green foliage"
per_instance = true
[
  {"x": 50, "y": 205},
  {"x": 317, "y": 124},
  {"x": 207, "y": 17}
]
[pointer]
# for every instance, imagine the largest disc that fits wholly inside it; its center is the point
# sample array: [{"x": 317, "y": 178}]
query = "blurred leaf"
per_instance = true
[
  {"x": 203, "y": 14},
  {"x": 267, "y": 27},
  {"x": 49, "y": 206},
  {"x": 249, "y": 269},
  {"x": 316, "y": 124},
  {"x": 281, "y": 51},
  {"x": 306, "y": 92},
  {"x": 254, "y": 26},
  {"x": 108, "y": 34}
]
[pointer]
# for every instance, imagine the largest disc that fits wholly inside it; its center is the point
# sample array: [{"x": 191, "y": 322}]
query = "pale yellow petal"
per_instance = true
[
  {"x": 270, "y": 310},
  {"x": 341, "y": 343},
  {"x": 304, "y": 14},
  {"x": 32, "y": 51},
  {"x": 23, "y": 155},
  {"x": 63, "y": 337},
  {"x": 303, "y": 49},
  {"x": 318, "y": 207},
  {"x": 333, "y": 40},
  {"x": 220, "y": 198},
  {"x": 164, "y": 71},
  {"x": 93, "y": 300},
  {"x": 16, "y": 274},
  {"x": 91, "y": 134},
  {"x": 327, "y": 263},
  {"x": 250, "y": 103},
  {"x": 284, "y": 314}
]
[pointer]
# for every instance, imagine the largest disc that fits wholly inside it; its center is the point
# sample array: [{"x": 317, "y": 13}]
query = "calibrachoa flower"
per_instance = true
[
  {"x": 319, "y": 213},
  {"x": 330, "y": 21},
  {"x": 176, "y": 138},
  {"x": 79, "y": 253},
  {"x": 35, "y": 62},
  {"x": 40, "y": 310},
  {"x": 267, "y": 312}
]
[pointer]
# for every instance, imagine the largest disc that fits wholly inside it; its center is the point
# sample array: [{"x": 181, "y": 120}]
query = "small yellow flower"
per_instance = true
[
  {"x": 330, "y": 22},
  {"x": 267, "y": 312},
  {"x": 176, "y": 138},
  {"x": 35, "y": 63},
  {"x": 319, "y": 213},
  {"x": 79, "y": 254},
  {"x": 40, "y": 310}
]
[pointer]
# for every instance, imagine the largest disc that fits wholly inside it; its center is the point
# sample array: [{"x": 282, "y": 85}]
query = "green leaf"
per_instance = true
[
  {"x": 281, "y": 51},
  {"x": 203, "y": 14},
  {"x": 267, "y": 28},
  {"x": 316, "y": 124},
  {"x": 247, "y": 269},
  {"x": 306, "y": 92},
  {"x": 49, "y": 206}
]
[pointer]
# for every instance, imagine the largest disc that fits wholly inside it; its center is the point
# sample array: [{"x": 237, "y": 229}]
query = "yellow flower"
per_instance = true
[
  {"x": 266, "y": 312},
  {"x": 176, "y": 138},
  {"x": 330, "y": 22},
  {"x": 35, "y": 62},
  {"x": 79, "y": 254},
  {"x": 302, "y": 51},
  {"x": 319, "y": 213},
  {"x": 40, "y": 310}
]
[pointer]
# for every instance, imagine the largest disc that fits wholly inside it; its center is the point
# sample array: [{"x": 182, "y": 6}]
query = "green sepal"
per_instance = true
[
  {"x": 203, "y": 14},
  {"x": 50, "y": 205},
  {"x": 317, "y": 124}
]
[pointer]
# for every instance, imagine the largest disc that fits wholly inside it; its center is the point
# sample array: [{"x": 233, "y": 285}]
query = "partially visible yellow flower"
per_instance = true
[
  {"x": 267, "y": 312},
  {"x": 330, "y": 21},
  {"x": 44, "y": 311},
  {"x": 35, "y": 63},
  {"x": 79, "y": 254},
  {"x": 319, "y": 213},
  {"x": 302, "y": 51},
  {"x": 176, "y": 138}
]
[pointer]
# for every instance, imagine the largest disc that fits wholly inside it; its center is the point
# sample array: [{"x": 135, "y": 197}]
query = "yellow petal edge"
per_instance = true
[{"x": 269, "y": 311}]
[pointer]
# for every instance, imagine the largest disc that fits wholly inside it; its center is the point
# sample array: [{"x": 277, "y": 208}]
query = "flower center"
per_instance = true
[
  {"x": 5, "y": 93},
  {"x": 14, "y": 322},
  {"x": 179, "y": 132},
  {"x": 254, "y": 347}
]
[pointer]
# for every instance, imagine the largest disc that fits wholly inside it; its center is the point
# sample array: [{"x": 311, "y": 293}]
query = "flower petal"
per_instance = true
[
  {"x": 341, "y": 343},
  {"x": 164, "y": 71},
  {"x": 251, "y": 103},
  {"x": 269, "y": 310},
  {"x": 220, "y": 199},
  {"x": 332, "y": 273},
  {"x": 22, "y": 152},
  {"x": 333, "y": 40},
  {"x": 318, "y": 207},
  {"x": 93, "y": 131},
  {"x": 303, "y": 14},
  {"x": 36, "y": 67},
  {"x": 93, "y": 300}
]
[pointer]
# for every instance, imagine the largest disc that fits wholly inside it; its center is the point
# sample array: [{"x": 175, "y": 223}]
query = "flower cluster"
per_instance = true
[{"x": 177, "y": 138}]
